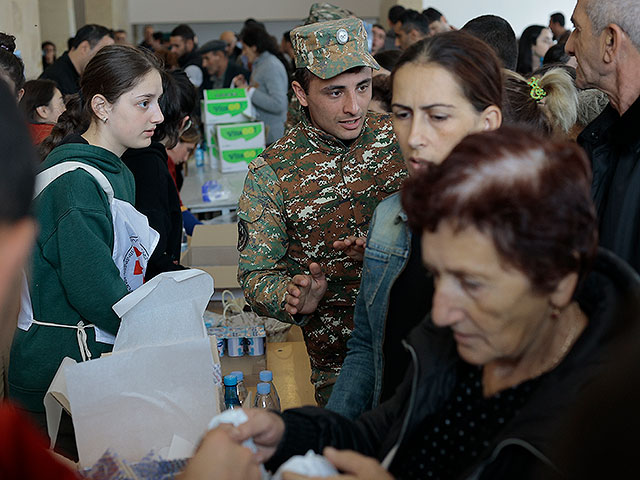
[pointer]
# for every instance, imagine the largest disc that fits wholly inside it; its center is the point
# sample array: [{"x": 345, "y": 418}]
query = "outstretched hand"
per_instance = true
[
  {"x": 304, "y": 292},
  {"x": 354, "y": 465},
  {"x": 352, "y": 246},
  {"x": 222, "y": 456}
]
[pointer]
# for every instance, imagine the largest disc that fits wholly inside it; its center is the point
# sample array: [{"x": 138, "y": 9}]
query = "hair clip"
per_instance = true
[
  {"x": 5, "y": 47},
  {"x": 537, "y": 92}
]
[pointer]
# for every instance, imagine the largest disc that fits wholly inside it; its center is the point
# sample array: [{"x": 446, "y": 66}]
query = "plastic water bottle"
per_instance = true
[
  {"x": 185, "y": 241},
  {"x": 199, "y": 154},
  {"x": 231, "y": 399},
  {"x": 264, "y": 398},
  {"x": 267, "y": 377},
  {"x": 241, "y": 388}
]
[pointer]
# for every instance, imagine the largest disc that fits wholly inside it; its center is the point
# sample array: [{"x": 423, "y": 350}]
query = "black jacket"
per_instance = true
[
  {"x": 613, "y": 144},
  {"x": 157, "y": 198},
  {"x": 524, "y": 446},
  {"x": 64, "y": 74}
]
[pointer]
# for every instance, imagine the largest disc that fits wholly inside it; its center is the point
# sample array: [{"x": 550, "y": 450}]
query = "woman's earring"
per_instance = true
[
  {"x": 105, "y": 119},
  {"x": 555, "y": 313}
]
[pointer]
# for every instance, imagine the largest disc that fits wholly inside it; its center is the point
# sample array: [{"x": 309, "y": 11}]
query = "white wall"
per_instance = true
[
  {"x": 21, "y": 18},
  {"x": 520, "y": 13},
  {"x": 227, "y": 11}
]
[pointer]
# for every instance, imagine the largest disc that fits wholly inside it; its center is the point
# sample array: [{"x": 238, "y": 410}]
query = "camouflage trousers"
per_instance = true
[
  {"x": 323, "y": 382},
  {"x": 325, "y": 336}
]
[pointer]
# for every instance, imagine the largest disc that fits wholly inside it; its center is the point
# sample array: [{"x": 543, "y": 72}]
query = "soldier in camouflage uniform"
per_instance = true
[
  {"x": 312, "y": 189},
  {"x": 319, "y": 12}
]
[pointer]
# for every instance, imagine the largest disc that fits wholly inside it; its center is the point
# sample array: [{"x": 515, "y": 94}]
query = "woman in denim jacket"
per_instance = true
[{"x": 443, "y": 90}]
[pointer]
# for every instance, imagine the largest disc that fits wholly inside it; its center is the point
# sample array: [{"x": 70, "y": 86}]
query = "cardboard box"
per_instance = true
[
  {"x": 232, "y": 146},
  {"x": 211, "y": 140},
  {"x": 238, "y": 144},
  {"x": 226, "y": 105},
  {"x": 213, "y": 248},
  {"x": 237, "y": 160},
  {"x": 239, "y": 136}
]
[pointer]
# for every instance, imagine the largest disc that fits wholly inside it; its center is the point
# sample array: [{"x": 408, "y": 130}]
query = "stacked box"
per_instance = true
[
  {"x": 211, "y": 139},
  {"x": 238, "y": 144},
  {"x": 226, "y": 105},
  {"x": 232, "y": 139}
]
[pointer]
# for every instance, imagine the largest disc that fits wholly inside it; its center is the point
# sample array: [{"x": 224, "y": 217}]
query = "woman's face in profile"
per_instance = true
[
  {"x": 490, "y": 306},
  {"x": 543, "y": 43},
  {"x": 431, "y": 114}
]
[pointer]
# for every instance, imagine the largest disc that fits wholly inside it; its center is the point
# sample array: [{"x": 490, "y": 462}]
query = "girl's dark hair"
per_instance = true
[
  {"x": 36, "y": 94},
  {"x": 254, "y": 35},
  {"x": 113, "y": 71},
  {"x": 556, "y": 54},
  {"x": 179, "y": 98},
  {"x": 381, "y": 91},
  {"x": 470, "y": 60},
  {"x": 531, "y": 195},
  {"x": 17, "y": 162},
  {"x": 527, "y": 40},
  {"x": 387, "y": 59},
  {"x": 11, "y": 66}
]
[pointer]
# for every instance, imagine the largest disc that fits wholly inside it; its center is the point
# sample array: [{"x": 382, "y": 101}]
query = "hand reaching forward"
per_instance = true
[
  {"x": 352, "y": 246},
  {"x": 304, "y": 292},
  {"x": 220, "y": 456},
  {"x": 354, "y": 465}
]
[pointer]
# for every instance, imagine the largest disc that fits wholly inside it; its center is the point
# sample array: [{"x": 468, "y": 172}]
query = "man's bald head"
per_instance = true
[{"x": 230, "y": 39}]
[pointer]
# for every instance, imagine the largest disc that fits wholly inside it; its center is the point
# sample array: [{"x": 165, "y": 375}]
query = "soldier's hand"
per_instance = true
[
  {"x": 304, "y": 292},
  {"x": 352, "y": 246}
]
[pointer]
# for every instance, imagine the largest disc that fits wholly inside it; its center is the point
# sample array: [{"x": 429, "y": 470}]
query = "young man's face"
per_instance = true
[
  {"x": 180, "y": 46},
  {"x": 338, "y": 105}
]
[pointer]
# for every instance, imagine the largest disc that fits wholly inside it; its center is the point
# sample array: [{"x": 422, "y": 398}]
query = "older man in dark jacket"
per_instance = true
[{"x": 606, "y": 45}]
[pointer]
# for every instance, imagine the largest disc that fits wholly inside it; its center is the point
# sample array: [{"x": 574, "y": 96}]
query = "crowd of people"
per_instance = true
[{"x": 451, "y": 216}]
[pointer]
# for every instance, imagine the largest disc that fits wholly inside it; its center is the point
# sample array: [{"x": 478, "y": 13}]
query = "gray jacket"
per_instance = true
[{"x": 269, "y": 99}]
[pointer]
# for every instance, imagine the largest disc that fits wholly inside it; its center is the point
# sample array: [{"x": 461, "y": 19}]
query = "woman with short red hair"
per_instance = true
[{"x": 525, "y": 313}]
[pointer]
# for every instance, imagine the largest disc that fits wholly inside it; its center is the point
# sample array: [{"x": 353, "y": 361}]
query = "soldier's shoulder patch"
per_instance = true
[
  {"x": 257, "y": 162},
  {"x": 243, "y": 235}
]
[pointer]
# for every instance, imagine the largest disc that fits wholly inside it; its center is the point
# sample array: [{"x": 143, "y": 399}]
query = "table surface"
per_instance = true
[
  {"x": 191, "y": 193},
  {"x": 289, "y": 363}
]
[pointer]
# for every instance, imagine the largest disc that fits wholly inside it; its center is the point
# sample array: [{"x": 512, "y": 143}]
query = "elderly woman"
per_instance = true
[{"x": 523, "y": 314}]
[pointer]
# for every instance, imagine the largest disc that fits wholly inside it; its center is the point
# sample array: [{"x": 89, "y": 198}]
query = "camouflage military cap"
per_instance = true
[
  {"x": 322, "y": 12},
  {"x": 327, "y": 49}
]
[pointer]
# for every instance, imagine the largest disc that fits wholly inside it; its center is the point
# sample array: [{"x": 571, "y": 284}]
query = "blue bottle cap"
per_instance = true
[
  {"x": 239, "y": 375},
  {"x": 264, "y": 389},
  {"x": 266, "y": 376},
  {"x": 230, "y": 380}
]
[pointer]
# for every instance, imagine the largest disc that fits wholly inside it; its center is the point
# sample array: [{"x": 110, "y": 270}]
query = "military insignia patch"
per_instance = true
[{"x": 243, "y": 235}]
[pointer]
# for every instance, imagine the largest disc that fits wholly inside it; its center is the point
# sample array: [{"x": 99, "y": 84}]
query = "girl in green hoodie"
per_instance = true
[{"x": 92, "y": 245}]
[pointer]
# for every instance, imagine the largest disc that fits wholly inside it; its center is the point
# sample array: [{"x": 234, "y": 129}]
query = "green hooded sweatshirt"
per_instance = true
[{"x": 73, "y": 275}]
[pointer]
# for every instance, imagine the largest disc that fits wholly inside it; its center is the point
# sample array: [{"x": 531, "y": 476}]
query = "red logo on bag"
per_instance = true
[{"x": 136, "y": 257}]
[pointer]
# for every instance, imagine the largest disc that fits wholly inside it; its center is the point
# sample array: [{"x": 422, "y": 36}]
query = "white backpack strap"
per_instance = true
[{"x": 50, "y": 174}]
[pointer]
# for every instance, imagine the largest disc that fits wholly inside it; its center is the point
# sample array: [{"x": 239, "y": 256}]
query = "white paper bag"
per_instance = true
[
  {"x": 166, "y": 309},
  {"x": 156, "y": 391},
  {"x": 136, "y": 401}
]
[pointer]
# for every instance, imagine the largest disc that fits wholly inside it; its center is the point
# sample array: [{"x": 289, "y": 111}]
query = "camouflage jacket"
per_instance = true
[{"x": 306, "y": 191}]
